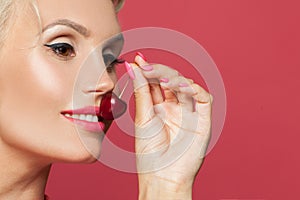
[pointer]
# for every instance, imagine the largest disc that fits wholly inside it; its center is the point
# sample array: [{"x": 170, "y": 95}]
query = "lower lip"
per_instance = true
[{"x": 95, "y": 127}]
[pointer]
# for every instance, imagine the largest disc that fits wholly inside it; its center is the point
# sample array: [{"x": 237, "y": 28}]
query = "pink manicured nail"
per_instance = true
[
  {"x": 183, "y": 84},
  {"x": 164, "y": 80},
  {"x": 141, "y": 55},
  {"x": 129, "y": 70},
  {"x": 147, "y": 68}
]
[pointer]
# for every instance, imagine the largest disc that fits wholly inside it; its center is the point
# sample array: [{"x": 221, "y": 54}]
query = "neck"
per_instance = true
[{"x": 22, "y": 177}]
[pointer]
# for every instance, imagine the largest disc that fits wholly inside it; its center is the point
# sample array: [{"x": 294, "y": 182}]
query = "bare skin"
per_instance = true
[
  {"x": 171, "y": 129},
  {"x": 37, "y": 83}
]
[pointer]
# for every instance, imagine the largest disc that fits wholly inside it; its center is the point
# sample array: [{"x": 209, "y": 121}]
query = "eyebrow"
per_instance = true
[{"x": 65, "y": 22}]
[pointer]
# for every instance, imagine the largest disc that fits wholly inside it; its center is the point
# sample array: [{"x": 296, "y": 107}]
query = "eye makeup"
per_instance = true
[
  {"x": 110, "y": 59},
  {"x": 63, "y": 50}
]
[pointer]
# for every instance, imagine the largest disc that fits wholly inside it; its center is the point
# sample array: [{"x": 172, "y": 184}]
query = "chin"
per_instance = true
[
  {"x": 87, "y": 160},
  {"x": 84, "y": 157},
  {"x": 89, "y": 149},
  {"x": 77, "y": 153}
]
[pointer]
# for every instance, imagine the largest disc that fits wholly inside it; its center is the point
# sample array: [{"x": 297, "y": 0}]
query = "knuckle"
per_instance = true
[
  {"x": 166, "y": 69},
  {"x": 174, "y": 72},
  {"x": 191, "y": 81},
  {"x": 197, "y": 87},
  {"x": 159, "y": 67}
]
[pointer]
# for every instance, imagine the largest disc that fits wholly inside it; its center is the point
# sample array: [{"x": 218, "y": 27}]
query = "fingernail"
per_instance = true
[
  {"x": 147, "y": 68},
  {"x": 129, "y": 70},
  {"x": 141, "y": 55},
  {"x": 164, "y": 80},
  {"x": 183, "y": 84}
]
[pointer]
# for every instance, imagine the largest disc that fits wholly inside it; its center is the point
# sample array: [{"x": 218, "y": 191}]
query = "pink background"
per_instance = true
[{"x": 256, "y": 46}]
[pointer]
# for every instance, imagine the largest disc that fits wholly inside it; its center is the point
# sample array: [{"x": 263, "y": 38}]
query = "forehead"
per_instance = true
[{"x": 98, "y": 16}]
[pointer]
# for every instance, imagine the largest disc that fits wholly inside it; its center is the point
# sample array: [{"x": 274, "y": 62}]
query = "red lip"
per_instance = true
[
  {"x": 96, "y": 127},
  {"x": 89, "y": 110},
  {"x": 89, "y": 126},
  {"x": 111, "y": 107}
]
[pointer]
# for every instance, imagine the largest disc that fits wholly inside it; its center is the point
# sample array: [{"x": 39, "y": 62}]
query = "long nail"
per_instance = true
[
  {"x": 142, "y": 56},
  {"x": 183, "y": 85},
  {"x": 147, "y": 67},
  {"x": 164, "y": 80},
  {"x": 129, "y": 70}
]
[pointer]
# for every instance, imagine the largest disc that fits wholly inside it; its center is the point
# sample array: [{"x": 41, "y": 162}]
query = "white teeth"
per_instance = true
[
  {"x": 95, "y": 119},
  {"x": 75, "y": 116},
  {"x": 89, "y": 118},
  {"x": 82, "y": 117}
]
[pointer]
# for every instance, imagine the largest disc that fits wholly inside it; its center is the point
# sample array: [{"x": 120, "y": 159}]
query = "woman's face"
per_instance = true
[{"x": 54, "y": 69}]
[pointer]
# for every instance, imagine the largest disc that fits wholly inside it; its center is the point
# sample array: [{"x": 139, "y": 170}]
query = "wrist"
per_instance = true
[{"x": 159, "y": 188}]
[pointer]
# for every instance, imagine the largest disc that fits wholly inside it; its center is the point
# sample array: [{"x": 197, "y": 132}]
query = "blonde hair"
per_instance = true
[{"x": 7, "y": 9}]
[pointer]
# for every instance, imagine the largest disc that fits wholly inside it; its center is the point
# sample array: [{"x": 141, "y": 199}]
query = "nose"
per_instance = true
[
  {"x": 94, "y": 77},
  {"x": 105, "y": 83}
]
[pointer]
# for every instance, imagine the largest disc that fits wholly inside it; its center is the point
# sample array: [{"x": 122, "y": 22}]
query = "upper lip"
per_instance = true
[{"x": 89, "y": 110}]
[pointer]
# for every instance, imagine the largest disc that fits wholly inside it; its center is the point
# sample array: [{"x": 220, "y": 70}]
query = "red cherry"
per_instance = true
[{"x": 111, "y": 106}]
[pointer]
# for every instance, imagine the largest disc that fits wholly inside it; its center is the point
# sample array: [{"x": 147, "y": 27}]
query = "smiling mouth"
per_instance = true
[
  {"x": 95, "y": 119},
  {"x": 83, "y": 117},
  {"x": 87, "y": 118},
  {"x": 89, "y": 113}
]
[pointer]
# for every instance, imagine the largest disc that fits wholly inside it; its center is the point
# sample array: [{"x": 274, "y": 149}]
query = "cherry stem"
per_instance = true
[{"x": 126, "y": 84}]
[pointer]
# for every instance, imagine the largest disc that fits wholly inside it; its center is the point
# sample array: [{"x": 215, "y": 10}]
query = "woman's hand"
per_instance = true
[{"x": 173, "y": 126}]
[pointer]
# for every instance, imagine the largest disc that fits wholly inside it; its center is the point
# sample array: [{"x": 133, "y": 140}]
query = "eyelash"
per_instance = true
[
  {"x": 114, "y": 63},
  {"x": 66, "y": 52},
  {"x": 63, "y": 50}
]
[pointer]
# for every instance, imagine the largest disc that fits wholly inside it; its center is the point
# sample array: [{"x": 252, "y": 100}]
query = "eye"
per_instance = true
[{"x": 63, "y": 50}]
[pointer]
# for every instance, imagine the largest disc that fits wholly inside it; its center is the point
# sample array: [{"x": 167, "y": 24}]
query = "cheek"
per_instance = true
[
  {"x": 33, "y": 92},
  {"x": 32, "y": 83}
]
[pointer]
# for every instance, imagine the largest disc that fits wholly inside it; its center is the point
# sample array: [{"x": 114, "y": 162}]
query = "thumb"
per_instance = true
[{"x": 143, "y": 101}]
